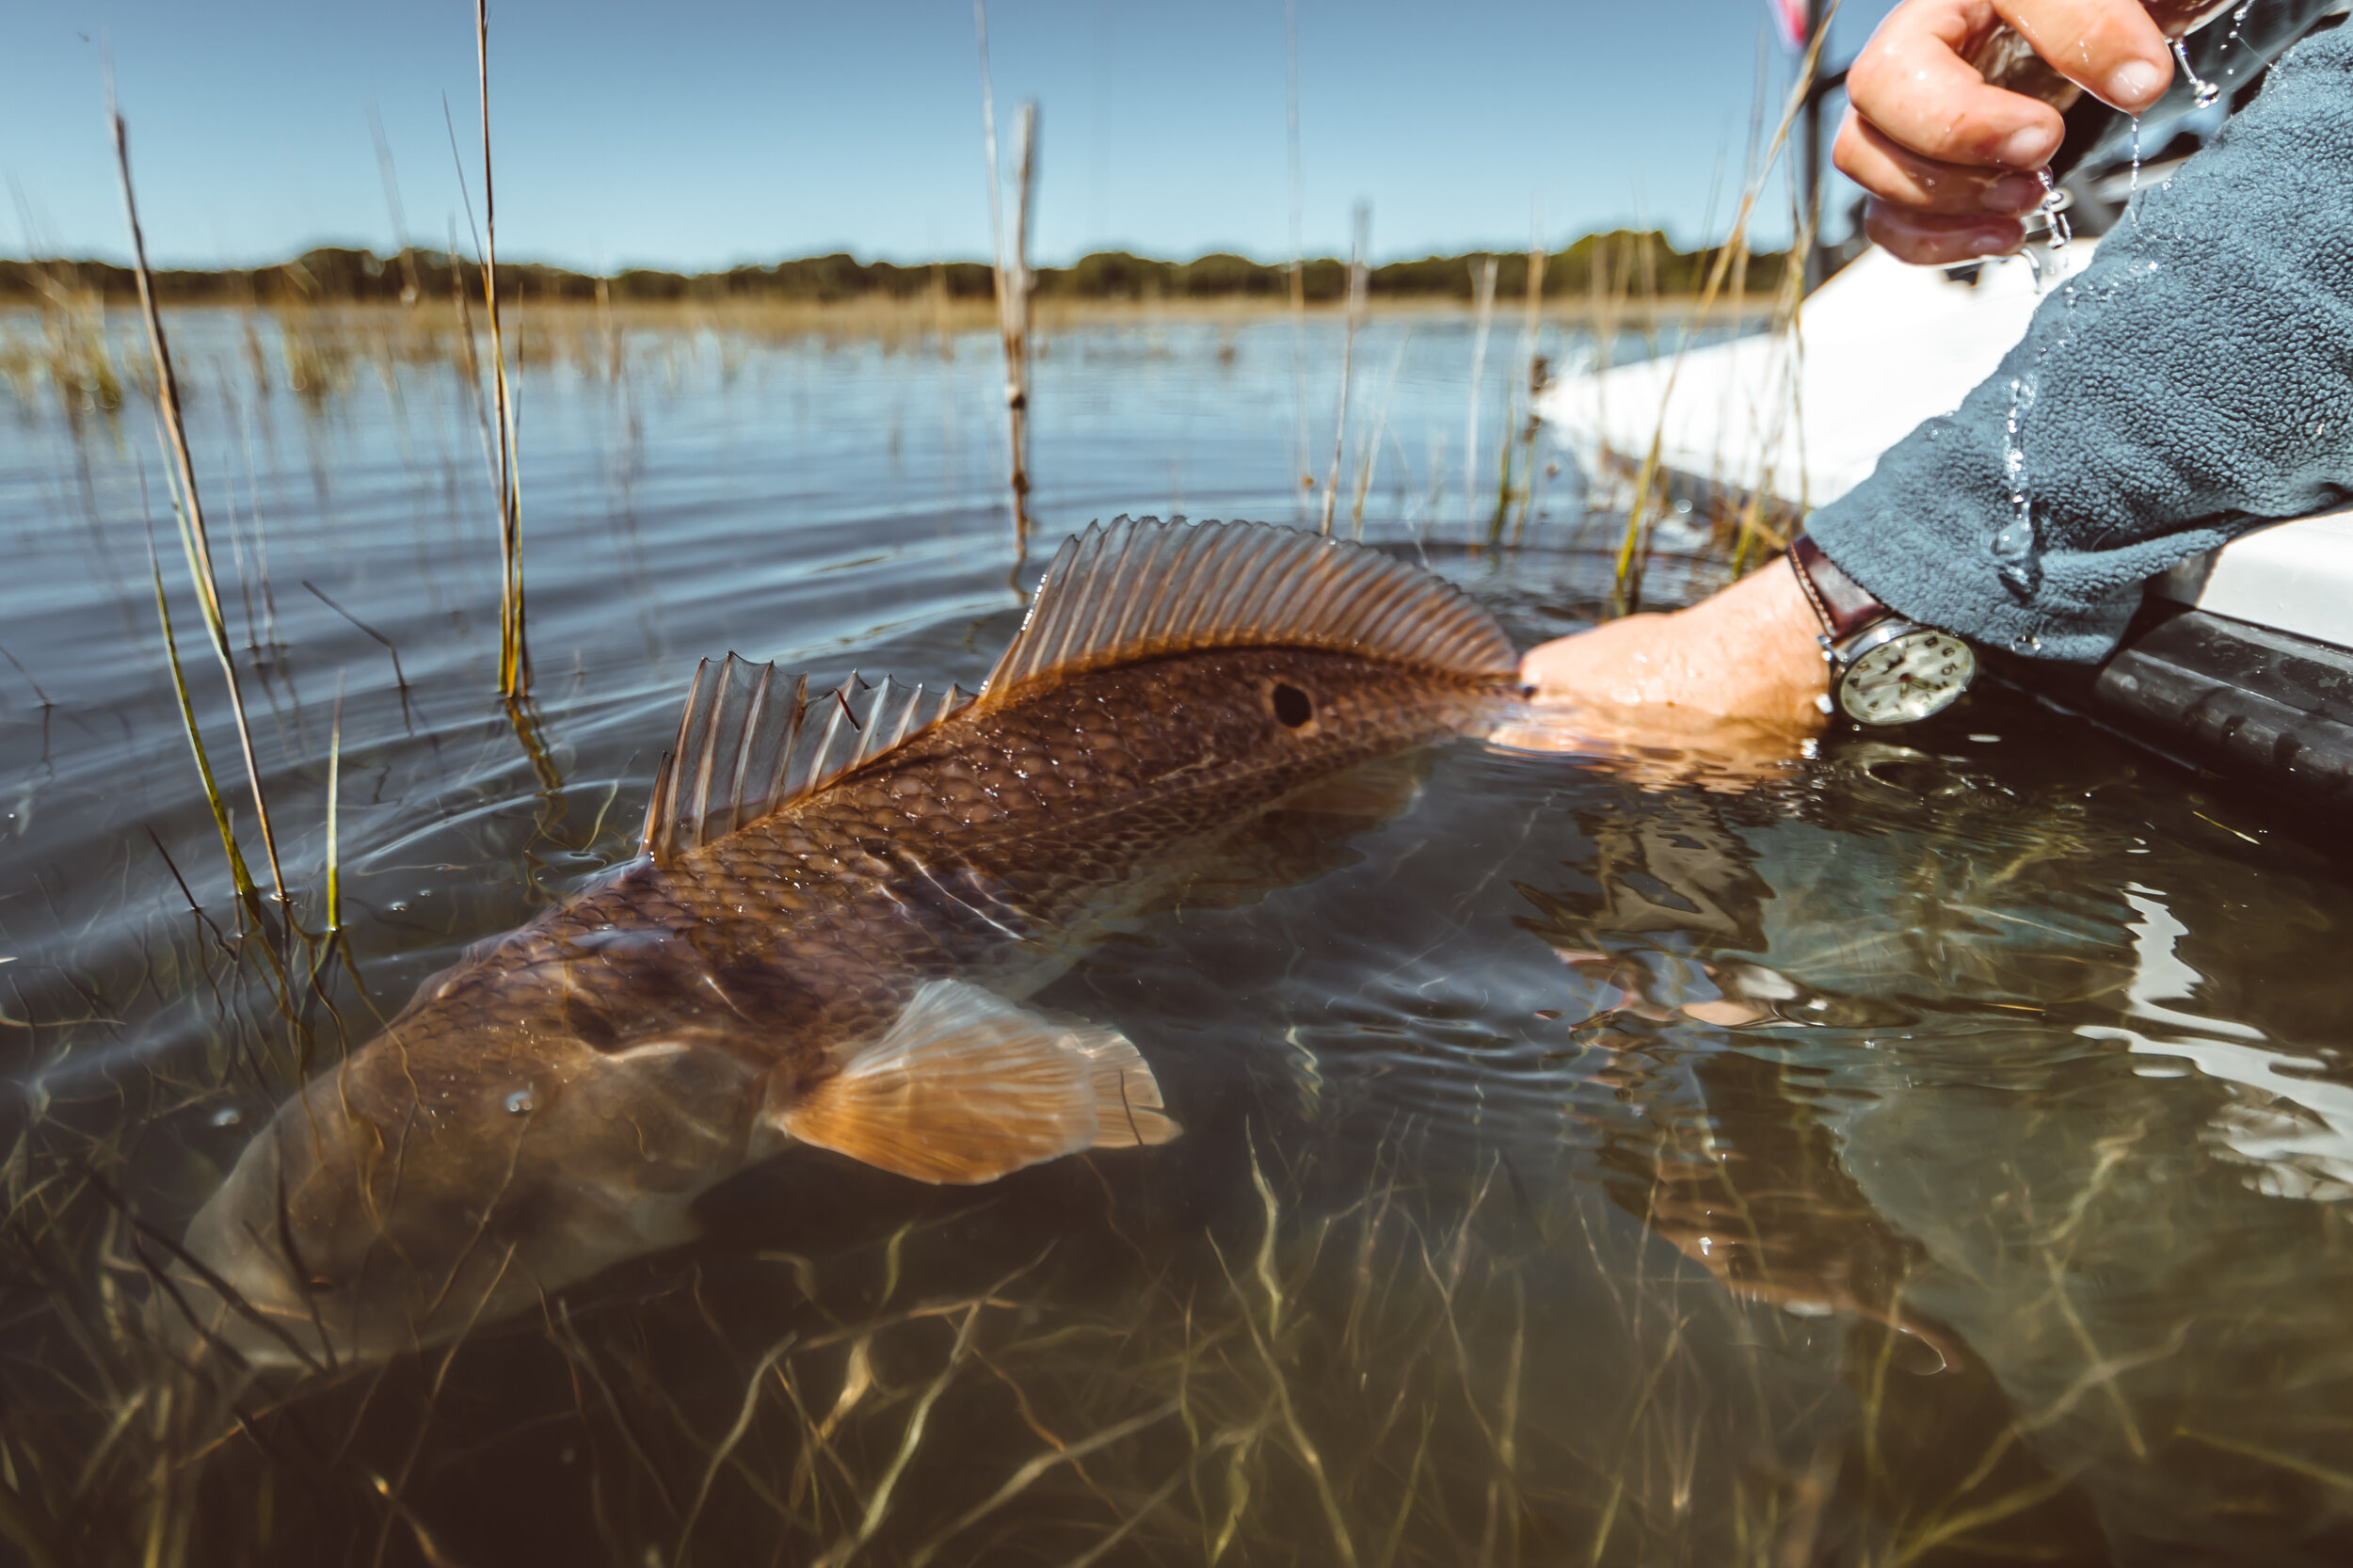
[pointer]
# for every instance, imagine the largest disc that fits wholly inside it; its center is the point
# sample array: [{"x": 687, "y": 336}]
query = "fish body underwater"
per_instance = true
[{"x": 829, "y": 938}]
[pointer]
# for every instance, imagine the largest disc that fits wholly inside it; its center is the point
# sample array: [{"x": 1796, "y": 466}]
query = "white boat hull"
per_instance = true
[{"x": 1881, "y": 347}]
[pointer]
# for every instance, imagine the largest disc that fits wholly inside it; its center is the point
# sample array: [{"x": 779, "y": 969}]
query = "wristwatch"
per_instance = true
[{"x": 1885, "y": 669}]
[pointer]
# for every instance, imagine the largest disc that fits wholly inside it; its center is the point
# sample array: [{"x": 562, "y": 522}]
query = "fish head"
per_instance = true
[{"x": 459, "y": 1169}]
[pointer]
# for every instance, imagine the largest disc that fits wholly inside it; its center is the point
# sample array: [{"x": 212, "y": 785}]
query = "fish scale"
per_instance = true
[
  {"x": 846, "y": 967},
  {"x": 826, "y": 891}
]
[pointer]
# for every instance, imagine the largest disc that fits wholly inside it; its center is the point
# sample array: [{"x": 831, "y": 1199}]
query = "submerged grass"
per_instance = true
[{"x": 1359, "y": 1359}]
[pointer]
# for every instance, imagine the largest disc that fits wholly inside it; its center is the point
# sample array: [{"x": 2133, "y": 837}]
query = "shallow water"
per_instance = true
[{"x": 1931, "y": 1151}]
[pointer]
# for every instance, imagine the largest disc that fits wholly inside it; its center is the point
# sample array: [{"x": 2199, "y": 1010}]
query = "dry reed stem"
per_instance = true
[
  {"x": 1626, "y": 595},
  {"x": 410, "y": 295},
  {"x": 1301, "y": 456},
  {"x": 514, "y": 658},
  {"x": 334, "y": 779},
  {"x": 1014, "y": 283},
  {"x": 1532, "y": 333},
  {"x": 242, "y": 878},
  {"x": 190, "y": 508},
  {"x": 1483, "y": 297},
  {"x": 1380, "y": 433},
  {"x": 1359, "y": 281}
]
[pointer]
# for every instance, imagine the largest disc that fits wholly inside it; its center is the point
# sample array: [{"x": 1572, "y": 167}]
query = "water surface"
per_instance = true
[{"x": 1938, "y": 1148}]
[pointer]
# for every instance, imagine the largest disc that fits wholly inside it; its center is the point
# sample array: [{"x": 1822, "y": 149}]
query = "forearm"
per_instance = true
[{"x": 2196, "y": 380}]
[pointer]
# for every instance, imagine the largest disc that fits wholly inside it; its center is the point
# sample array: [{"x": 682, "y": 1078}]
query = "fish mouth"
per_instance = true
[
  {"x": 252, "y": 1281},
  {"x": 229, "y": 1293}
]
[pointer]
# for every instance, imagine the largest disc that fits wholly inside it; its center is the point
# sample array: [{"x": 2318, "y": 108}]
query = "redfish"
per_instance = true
[{"x": 841, "y": 902}]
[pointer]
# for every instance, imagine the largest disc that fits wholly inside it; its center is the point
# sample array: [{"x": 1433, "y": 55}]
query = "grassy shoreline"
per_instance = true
[
  {"x": 1621, "y": 262},
  {"x": 86, "y": 349}
]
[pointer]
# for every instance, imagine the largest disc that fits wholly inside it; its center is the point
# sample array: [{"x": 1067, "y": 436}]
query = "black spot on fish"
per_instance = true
[{"x": 1293, "y": 707}]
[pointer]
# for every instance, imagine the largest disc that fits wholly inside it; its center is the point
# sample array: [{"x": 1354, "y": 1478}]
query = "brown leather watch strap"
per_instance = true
[{"x": 1843, "y": 606}]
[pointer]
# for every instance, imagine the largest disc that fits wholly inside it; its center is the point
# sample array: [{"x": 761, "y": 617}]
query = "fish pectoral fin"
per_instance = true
[{"x": 965, "y": 1087}]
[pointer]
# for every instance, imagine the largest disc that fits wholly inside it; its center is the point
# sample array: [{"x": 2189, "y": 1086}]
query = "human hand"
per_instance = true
[
  {"x": 1735, "y": 678},
  {"x": 1951, "y": 161}
]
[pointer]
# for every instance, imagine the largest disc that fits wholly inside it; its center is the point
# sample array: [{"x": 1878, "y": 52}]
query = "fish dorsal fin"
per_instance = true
[
  {"x": 753, "y": 740},
  {"x": 1141, "y": 589}
]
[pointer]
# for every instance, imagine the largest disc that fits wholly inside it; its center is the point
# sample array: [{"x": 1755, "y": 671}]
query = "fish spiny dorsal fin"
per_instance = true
[
  {"x": 1141, "y": 589},
  {"x": 753, "y": 740}
]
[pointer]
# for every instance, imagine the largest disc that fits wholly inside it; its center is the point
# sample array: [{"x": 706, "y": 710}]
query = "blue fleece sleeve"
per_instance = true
[{"x": 2195, "y": 381}]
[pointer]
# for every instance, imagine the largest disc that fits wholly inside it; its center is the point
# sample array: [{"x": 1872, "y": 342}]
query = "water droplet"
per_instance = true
[
  {"x": 2238, "y": 18},
  {"x": 399, "y": 906},
  {"x": 228, "y": 1115},
  {"x": 2203, "y": 92},
  {"x": 519, "y": 1103},
  {"x": 2018, "y": 554},
  {"x": 2135, "y": 189}
]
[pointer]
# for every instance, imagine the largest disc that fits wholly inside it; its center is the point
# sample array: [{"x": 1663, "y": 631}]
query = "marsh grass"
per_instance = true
[
  {"x": 69, "y": 353},
  {"x": 514, "y": 654},
  {"x": 320, "y": 349},
  {"x": 1482, "y": 307},
  {"x": 197, "y": 543},
  {"x": 1358, "y": 1359},
  {"x": 1633, "y": 546},
  {"x": 1520, "y": 448},
  {"x": 1360, "y": 279},
  {"x": 1013, "y": 280}
]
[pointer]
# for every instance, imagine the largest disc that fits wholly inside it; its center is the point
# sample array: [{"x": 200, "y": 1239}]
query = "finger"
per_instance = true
[
  {"x": 1913, "y": 83},
  {"x": 1867, "y": 155},
  {"x": 1931, "y": 239},
  {"x": 2109, "y": 48}
]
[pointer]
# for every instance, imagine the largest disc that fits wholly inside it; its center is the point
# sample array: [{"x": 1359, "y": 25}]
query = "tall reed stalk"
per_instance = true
[
  {"x": 1014, "y": 281},
  {"x": 1626, "y": 595},
  {"x": 1379, "y": 430},
  {"x": 410, "y": 293},
  {"x": 1301, "y": 457},
  {"x": 1531, "y": 333},
  {"x": 1359, "y": 283},
  {"x": 514, "y": 659},
  {"x": 1483, "y": 300},
  {"x": 193, "y": 538}
]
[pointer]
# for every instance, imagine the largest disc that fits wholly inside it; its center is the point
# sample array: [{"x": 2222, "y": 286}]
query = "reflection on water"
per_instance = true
[{"x": 1920, "y": 1152}]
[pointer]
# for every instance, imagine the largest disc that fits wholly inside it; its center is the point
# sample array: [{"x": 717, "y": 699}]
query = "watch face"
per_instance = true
[{"x": 1907, "y": 676}]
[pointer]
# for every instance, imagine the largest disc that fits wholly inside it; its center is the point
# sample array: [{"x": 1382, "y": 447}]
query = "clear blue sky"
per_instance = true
[{"x": 701, "y": 133}]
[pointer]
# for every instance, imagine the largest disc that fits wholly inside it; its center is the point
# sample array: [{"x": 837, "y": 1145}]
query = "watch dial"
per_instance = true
[{"x": 1907, "y": 678}]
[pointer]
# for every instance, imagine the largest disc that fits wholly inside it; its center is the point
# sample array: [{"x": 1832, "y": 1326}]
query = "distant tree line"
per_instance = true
[{"x": 1625, "y": 260}]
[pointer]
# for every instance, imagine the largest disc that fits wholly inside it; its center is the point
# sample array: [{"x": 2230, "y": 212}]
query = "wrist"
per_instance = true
[
  {"x": 1769, "y": 644},
  {"x": 1881, "y": 667}
]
